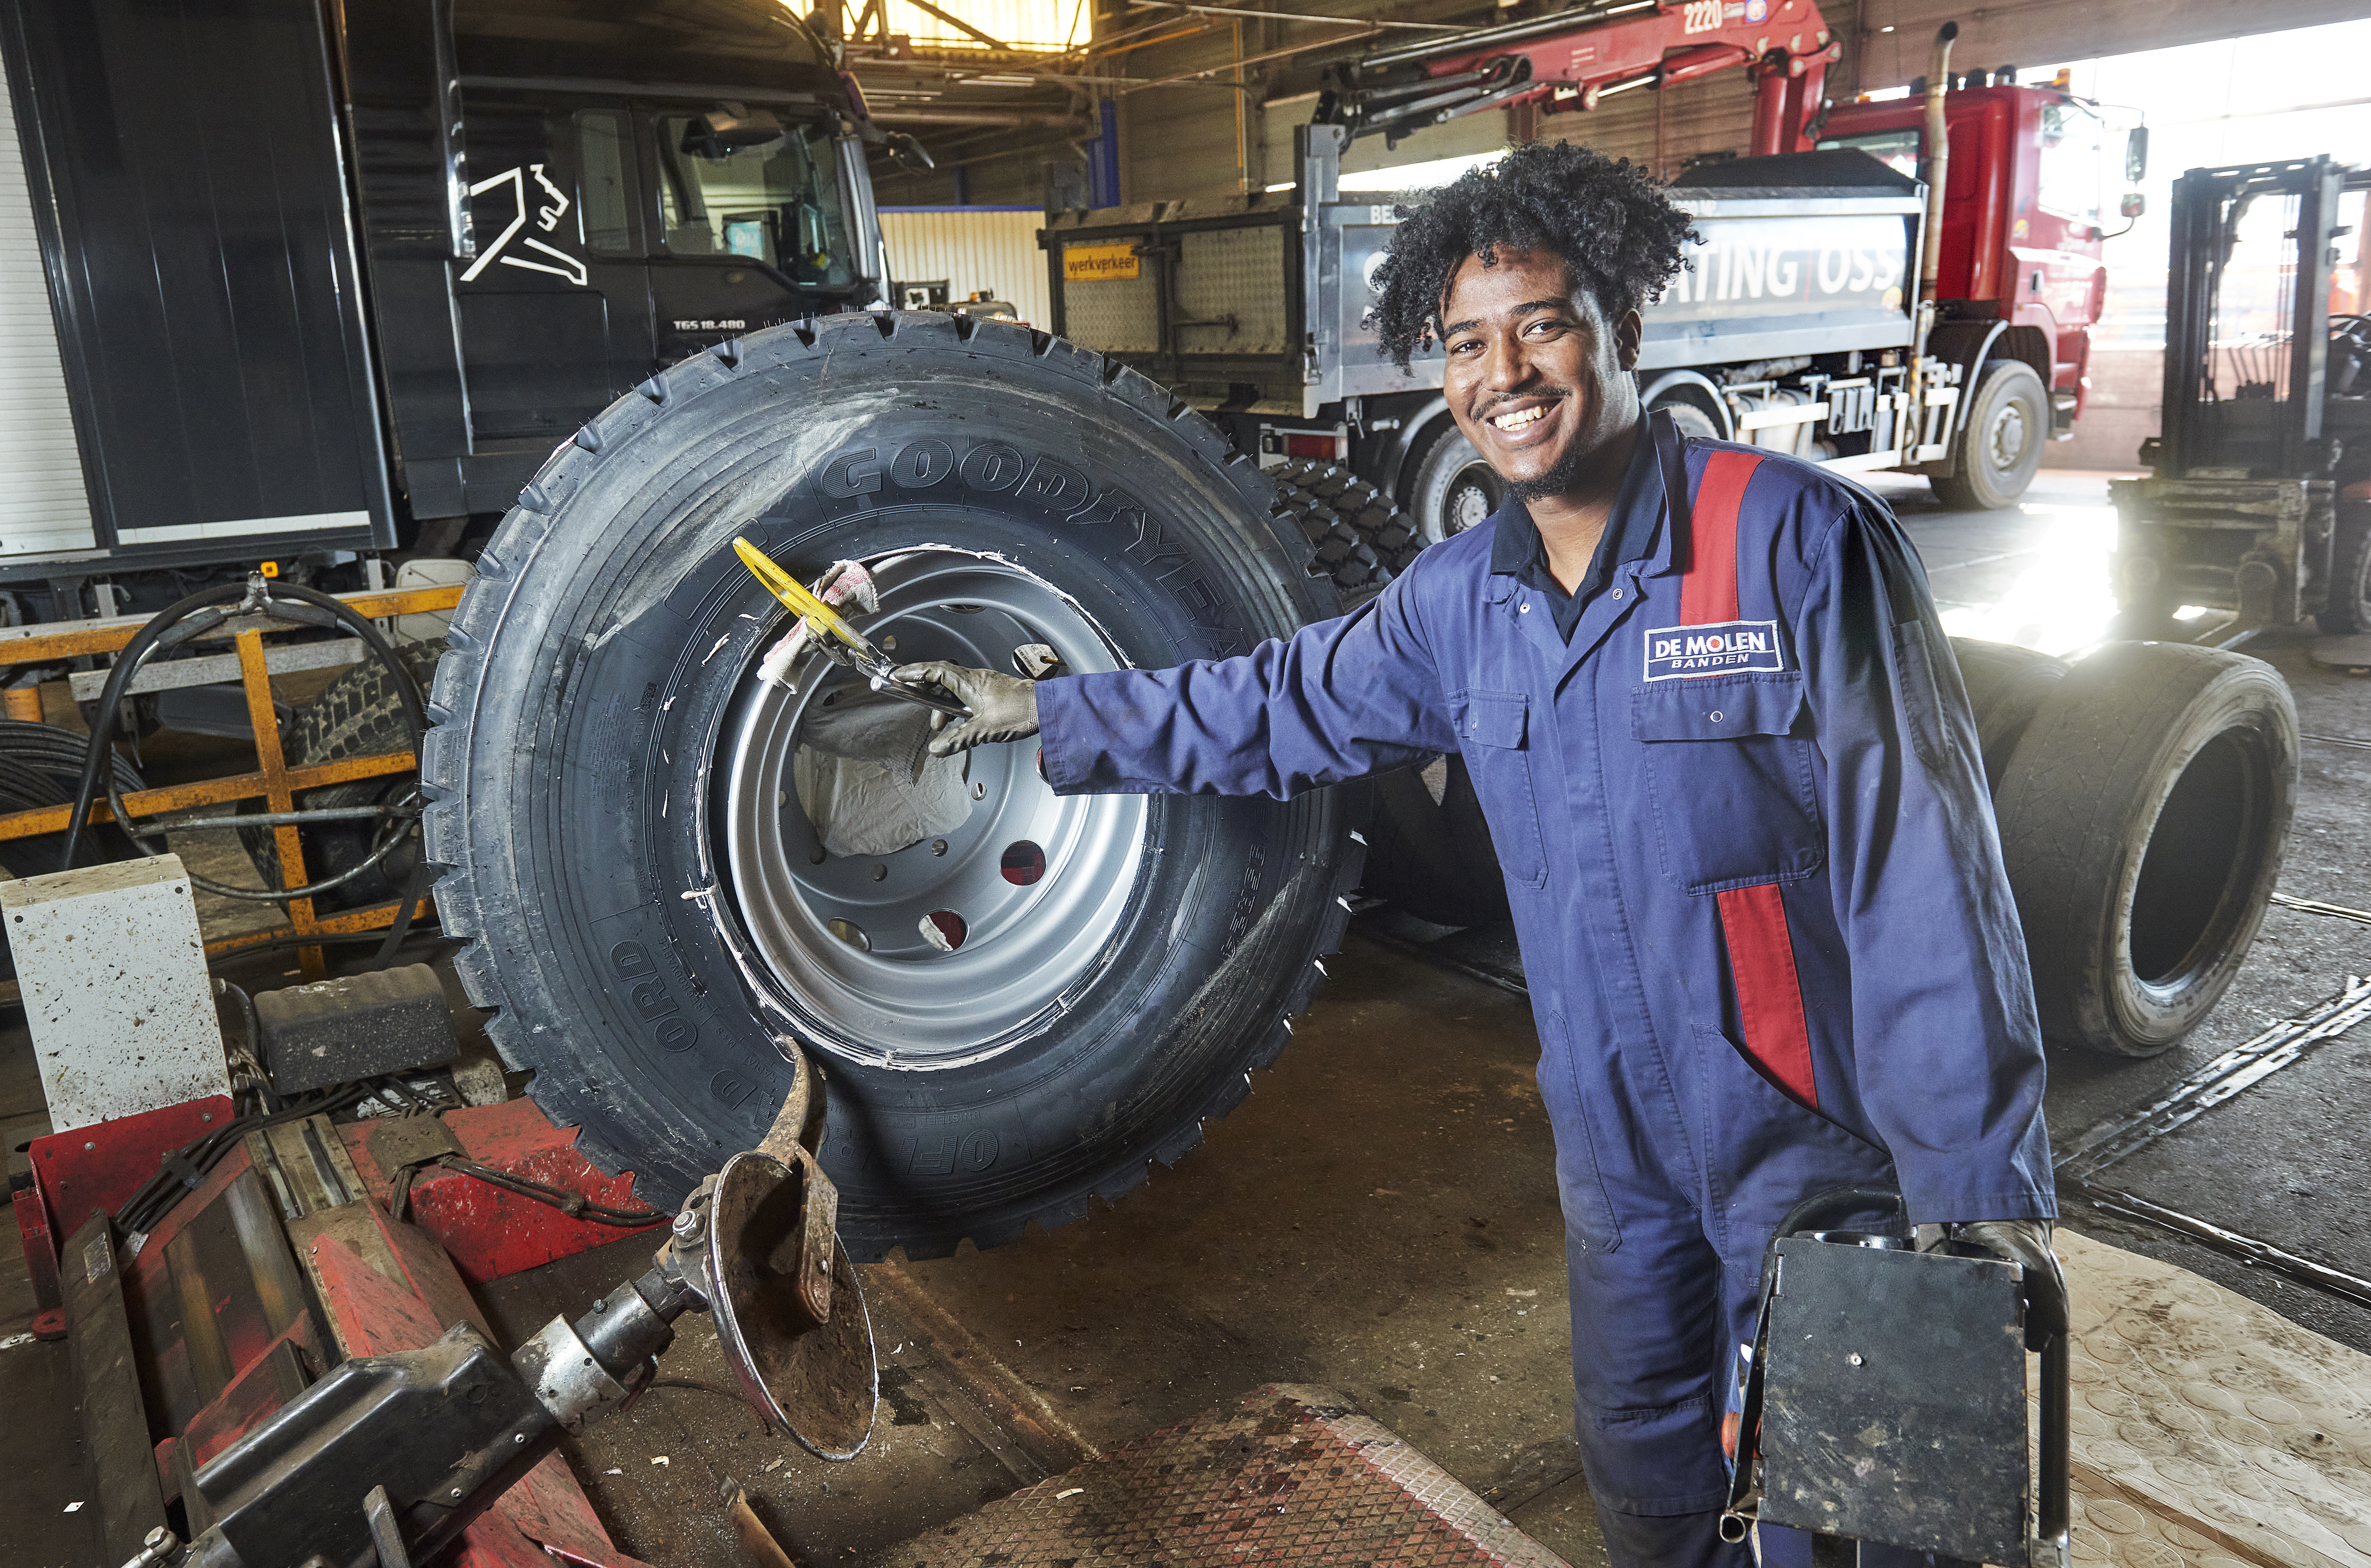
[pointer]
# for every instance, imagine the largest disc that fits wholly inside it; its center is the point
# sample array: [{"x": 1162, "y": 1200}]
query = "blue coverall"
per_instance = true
[{"x": 1769, "y": 941}]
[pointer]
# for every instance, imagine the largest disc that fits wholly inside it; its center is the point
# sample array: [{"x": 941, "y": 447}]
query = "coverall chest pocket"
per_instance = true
[
  {"x": 1494, "y": 732},
  {"x": 1731, "y": 784}
]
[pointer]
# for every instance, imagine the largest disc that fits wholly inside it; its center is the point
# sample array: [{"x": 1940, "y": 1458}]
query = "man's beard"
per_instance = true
[{"x": 1557, "y": 481}]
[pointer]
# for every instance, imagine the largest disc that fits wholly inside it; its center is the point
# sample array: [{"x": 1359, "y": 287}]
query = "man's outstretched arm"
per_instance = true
[{"x": 1335, "y": 701}]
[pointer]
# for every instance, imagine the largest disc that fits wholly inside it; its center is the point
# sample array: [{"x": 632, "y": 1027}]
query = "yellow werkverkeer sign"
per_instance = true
[{"x": 1099, "y": 264}]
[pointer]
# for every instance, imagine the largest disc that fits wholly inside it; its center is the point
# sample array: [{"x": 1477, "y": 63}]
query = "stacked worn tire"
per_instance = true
[
  {"x": 357, "y": 715},
  {"x": 648, "y": 926},
  {"x": 2142, "y": 796}
]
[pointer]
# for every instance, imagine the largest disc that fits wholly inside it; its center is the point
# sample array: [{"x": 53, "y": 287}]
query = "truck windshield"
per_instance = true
[
  {"x": 778, "y": 203},
  {"x": 2068, "y": 181},
  {"x": 1898, "y": 150}
]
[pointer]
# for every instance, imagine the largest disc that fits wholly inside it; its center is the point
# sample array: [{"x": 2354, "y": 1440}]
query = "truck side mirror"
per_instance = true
[
  {"x": 2133, "y": 204},
  {"x": 2135, "y": 155}
]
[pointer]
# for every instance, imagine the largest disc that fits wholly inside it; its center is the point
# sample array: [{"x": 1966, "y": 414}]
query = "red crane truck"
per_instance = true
[{"x": 1802, "y": 325}]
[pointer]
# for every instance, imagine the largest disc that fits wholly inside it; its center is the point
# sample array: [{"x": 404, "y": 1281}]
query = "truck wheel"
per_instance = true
[
  {"x": 669, "y": 872},
  {"x": 2001, "y": 443},
  {"x": 1338, "y": 508},
  {"x": 1428, "y": 851},
  {"x": 2143, "y": 819},
  {"x": 1453, "y": 489},
  {"x": 2006, "y": 685},
  {"x": 358, "y": 715},
  {"x": 2348, "y": 608}
]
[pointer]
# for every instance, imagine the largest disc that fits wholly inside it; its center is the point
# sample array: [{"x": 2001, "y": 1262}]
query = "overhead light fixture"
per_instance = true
[{"x": 1000, "y": 81}]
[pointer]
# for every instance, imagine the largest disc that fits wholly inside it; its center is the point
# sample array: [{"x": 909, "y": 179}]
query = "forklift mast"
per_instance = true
[
  {"x": 2247, "y": 349},
  {"x": 2259, "y": 500}
]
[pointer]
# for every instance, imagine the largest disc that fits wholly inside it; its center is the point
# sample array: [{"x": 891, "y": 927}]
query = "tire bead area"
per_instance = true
[{"x": 595, "y": 660}]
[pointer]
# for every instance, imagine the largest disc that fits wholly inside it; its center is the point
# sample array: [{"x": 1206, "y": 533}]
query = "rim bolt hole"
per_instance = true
[
  {"x": 938, "y": 846},
  {"x": 978, "y": 791},
  {"x": 815, "y": 855},
  {"x": 880, "y": 874}
]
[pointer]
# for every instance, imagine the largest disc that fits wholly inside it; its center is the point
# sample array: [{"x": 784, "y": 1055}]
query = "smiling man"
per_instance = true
[{"x": 1734, "y": 783}]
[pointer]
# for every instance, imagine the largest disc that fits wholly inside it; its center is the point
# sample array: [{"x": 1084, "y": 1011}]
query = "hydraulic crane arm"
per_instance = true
[{"x": 1575, "y": 58}]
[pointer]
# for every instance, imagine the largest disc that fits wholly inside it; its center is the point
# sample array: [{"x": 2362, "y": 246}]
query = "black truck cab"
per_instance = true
[{"x": 334, "y": 276}]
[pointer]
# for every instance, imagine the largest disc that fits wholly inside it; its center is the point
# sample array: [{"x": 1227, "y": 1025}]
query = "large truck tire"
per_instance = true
[
  {"x": 2001, "y": 441},
  {"x": 2005, "y": 686},
  {"x": 2142, "y": 818},
  {"x": 358, "y": 715},
  {"x": 1015, "y": 1011},
  {"x": 1387, "y": 535}
]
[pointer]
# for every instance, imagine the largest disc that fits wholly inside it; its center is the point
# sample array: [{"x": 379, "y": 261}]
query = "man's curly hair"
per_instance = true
[{"x": 1606, "y": 217}]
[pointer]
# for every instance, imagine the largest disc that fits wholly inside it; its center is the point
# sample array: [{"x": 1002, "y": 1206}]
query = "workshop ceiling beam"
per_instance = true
[{"x": 1894, "y": 39}]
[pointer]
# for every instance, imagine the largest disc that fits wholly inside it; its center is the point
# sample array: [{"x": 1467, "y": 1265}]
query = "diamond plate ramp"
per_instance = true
[{"x": 1291, "y": 1473}]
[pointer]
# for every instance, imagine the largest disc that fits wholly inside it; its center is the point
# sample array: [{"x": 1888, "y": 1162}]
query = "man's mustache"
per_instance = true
[{"x": 1482, "y": 410}]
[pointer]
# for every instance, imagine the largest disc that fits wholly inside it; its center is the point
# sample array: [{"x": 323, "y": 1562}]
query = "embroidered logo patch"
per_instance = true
[{"x": 1727, "y": 647}]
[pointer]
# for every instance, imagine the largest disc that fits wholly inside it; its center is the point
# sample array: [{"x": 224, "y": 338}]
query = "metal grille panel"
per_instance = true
[
  {"x": 1114, "y": 315},
  {"x": 1231, "y": 292}
]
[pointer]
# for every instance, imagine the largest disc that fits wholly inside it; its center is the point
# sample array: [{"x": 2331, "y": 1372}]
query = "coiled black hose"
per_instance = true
[{"x": 191, "y": 618}]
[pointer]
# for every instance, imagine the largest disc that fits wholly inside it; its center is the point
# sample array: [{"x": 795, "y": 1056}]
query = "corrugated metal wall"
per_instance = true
[
  {"x": 970, "y": 249},
  {"x": 43, "y": 506}
]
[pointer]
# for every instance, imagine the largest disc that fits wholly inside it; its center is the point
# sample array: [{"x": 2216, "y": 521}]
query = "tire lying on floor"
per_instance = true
[
  {"x": 2006, "y": 685},
  {"x": 1428, "y": 848},
  {"x": 2142, "y": 818},
  {"x": 1017, "y": 1000}
]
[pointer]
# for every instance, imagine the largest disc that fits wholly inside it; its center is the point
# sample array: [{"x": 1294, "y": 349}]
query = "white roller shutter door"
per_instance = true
[
  {"x": 971, "y": 249},
  {"x": 42, "y": 505}
]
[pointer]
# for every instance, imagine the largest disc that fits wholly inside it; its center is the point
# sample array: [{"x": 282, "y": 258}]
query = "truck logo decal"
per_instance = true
[
  {"x": 547, "y": 219},
  {"x": 1727, "y": 647}
]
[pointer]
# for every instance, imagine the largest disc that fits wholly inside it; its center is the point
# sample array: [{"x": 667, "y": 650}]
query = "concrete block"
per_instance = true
[{"x": 113, "y": 975}]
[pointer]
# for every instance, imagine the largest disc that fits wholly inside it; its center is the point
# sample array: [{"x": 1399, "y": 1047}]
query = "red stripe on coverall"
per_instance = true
[
  {"x": 1708, "y": 591},
  {"x": 1769, "y": 994},
  {"x": 1761, "y": 951}
]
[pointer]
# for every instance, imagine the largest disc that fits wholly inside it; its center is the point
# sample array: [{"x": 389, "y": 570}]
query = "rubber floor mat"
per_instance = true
[{"x": 1291, "y": 1473}]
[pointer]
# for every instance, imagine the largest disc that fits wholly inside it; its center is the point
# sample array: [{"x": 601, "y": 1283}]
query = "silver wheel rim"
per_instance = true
[
  {"x": 1026, "y": 947},
  {"x": 1468, "y": 504}
]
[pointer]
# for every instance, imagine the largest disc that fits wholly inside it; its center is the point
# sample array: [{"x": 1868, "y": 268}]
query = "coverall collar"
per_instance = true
[{"x": 1634, "y": 543}]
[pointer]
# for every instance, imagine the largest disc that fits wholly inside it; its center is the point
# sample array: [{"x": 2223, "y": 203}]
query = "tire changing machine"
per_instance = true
[{"x": 280, "y": 1364}]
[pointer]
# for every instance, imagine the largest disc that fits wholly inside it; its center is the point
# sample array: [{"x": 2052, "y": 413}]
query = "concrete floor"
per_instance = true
[{"x": 1379, "y": 1215}]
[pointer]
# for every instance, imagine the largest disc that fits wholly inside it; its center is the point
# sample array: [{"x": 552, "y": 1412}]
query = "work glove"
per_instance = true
[
  {"x": 1003, "y": 707},
  {"x": 2022, "y": 1242}
]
